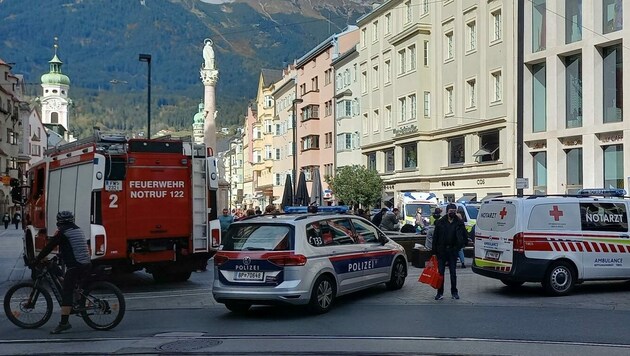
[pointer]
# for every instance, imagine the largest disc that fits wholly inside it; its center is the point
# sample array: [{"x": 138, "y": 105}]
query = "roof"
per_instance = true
[
  {"x": 270, "y": 76},
  {"x": 325, "y": 44}
]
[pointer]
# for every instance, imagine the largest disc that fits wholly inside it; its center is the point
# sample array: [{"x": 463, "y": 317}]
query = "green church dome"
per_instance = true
[
  {"x": 199, "y": 117},
  {"x": 55, "y": 76}
]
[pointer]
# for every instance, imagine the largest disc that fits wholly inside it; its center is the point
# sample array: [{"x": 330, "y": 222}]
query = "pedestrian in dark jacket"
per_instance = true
[
  {"x": 378, "y": 217},
  {"x": 448, "y": 238},
  {"x": 6, "y": 219}
]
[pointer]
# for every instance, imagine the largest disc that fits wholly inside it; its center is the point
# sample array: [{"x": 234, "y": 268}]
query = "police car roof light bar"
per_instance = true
[{"x": 613, "y": 192}]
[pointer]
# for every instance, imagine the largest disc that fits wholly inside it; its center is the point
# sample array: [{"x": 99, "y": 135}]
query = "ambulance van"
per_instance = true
[{"x": 554, "y": 240}]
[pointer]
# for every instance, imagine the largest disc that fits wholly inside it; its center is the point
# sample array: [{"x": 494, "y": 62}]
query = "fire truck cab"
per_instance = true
[{"x": 143, "y": 204}]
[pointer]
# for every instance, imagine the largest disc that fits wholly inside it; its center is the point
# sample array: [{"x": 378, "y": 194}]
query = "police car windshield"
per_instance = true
[{"x": 257, "y": 237}]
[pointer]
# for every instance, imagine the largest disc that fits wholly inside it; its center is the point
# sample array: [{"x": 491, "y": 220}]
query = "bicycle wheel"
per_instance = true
[
  {"x": 27, "y": 306},
  {"x": 102, "y": 306}
]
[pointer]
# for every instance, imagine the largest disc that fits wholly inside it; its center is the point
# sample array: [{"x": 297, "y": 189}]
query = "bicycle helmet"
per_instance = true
[{"x": 65, "y": 217}]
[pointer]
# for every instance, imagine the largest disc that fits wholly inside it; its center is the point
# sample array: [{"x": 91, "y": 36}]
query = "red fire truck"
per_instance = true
[{"x": 142, "y": 203}]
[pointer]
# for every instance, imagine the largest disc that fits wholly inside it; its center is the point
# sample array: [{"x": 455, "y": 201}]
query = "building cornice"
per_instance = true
[
  {"x": 410, "y": 31},
  {"x": 387, "y": 5}
]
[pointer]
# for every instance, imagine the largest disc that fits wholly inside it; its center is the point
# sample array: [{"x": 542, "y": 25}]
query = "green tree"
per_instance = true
[{"x": 356, "y": 185}]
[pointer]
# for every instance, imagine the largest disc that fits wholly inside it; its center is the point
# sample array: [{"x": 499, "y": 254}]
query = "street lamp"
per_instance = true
[
  {"x": 147, "y": 58},
  {"x": 294, "y": 119}
]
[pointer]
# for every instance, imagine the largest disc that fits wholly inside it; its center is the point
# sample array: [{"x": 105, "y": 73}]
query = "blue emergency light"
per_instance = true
[
  {"x": 337, "y": 209},
  {"x": 603, "y": 192}
]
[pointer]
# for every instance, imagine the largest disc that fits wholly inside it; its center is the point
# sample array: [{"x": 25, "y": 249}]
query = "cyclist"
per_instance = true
[{"x": 74, "y": 251}]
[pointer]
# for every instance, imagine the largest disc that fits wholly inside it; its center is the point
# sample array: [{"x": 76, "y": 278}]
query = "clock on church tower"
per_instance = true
[{"x": 54, "y": 104}]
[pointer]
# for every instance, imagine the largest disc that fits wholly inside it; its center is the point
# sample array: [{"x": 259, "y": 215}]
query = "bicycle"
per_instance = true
[{"x": 29, "y": 304}]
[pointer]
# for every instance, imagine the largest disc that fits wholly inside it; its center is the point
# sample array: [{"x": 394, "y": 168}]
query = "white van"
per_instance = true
[{"x": 555, "y": 240}]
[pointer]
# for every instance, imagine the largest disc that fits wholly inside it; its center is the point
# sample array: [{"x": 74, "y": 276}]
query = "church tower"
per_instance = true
[
  {"x": 54, "y": 101},
  {"x": 198, "y": 125}
]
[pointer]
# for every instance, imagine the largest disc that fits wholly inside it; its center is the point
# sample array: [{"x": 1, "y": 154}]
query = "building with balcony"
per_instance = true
[
  {"x": 248, "y": 158},
  {"x": 575, "y": 140},
  {"x": 316, "y": 91}
]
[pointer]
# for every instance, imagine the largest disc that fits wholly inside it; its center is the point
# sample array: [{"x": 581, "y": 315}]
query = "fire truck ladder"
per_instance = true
[{"x": 199, "y": 202}]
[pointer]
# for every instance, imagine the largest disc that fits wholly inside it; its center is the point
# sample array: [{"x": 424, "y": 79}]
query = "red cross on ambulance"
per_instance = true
[{"x": 556, "y": 213}]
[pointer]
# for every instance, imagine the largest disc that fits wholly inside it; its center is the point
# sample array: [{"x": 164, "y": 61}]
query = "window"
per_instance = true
[
  {"x": 411, "y": 51},
  {"x": 290, "y": 149},
  {"x": 346, "y": 142},
  {"x": 573, "y": 84},
  {"x": 402, "y": 67},
  {"x": 328, "y": 108},
  {"x": 612, "y": 15},
  {"x": 256, "y": 133},
  {"x": 310, "y": 142},
  {"x": 314, "y": 84},
  {"x": 346, "y": 77},
  {"x": 413, "y": 106},
  {"x": 310, "y": 112},
  {"x": 448, "y": 46},
  {"x": 257, "y": 157},
  {"x": 388, "y": 23},
  {"x": 344, "y": 109},
  {"x": 375, "y": 121},
  {"x": 365, "y": 124},
  {"x": 339, "y": 81},
  {"x": 278, "y": 131},
  {"x": 456, "y": 150},
  {"x": 425, "y": 7},
  {"x": 613, "y": 166},
  {"x": 371, "y": 161},
  {"x": 497, "y": 25},
  {"x": 328, "y": 140},
  {"x": 278, "y": 154},
  {"x": 389, "y": 161},
  {"x": 388, "y": 117},
  {"x": 328, "y": 170},
  {"x": 497, "y": 87},
  {"x": 410, "y": 155},
  {"x": 277, "y": 179},
  {"x": 539, "y": 98},
  {"x": 575, "y": 171},
  {"x": 402, "y": 109},
  {"x": 425, "y": 58},
  {"x": 613, "y": 83},
  {"x": 268, "y": 101},
  {"x": 268, "y": 126},
  {"x": 268, "y": 152},
  {"x": 448, "y": 101},
  {"x": 471, "y": 93},
  {"x": 366, "y": 233},
  {"x": 375, "y": 77},
  {"x": 302, "y": 89},
  {"x": 54, "y": 118},
  {"x": 488, "y": 147},
  {"x": 573, "y": 20},
  {"x": 388, "y": 72},
  {"x": 364, "y": 82},
  {"x": 427, "y": 104},
  {"x": 540, "y": 172},
  {"x": 408, "y": 12},
  {"x": 328, "y": 76},
  {"x": 471, "y": 29},
  {"x": 539, "y": 26},
  {"x": 374, "y": 31},
  {"x": 363, "y": 37}
]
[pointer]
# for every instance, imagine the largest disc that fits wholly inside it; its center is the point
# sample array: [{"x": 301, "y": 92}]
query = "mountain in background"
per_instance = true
[{"x": 99, "y": 43}]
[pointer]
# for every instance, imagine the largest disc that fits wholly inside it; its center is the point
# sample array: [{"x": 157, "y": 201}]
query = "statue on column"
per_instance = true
[{"x": 208, "y": 54}]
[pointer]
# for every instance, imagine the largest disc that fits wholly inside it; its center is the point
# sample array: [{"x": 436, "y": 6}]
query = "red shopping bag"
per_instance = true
[{"x": 430, "y": 274}]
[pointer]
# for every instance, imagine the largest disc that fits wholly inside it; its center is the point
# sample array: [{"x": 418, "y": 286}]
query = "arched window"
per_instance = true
[{"x": 54, "y": 118}]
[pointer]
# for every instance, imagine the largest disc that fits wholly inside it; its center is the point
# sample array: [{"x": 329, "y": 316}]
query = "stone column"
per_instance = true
[{"x": 209, "y": 77}]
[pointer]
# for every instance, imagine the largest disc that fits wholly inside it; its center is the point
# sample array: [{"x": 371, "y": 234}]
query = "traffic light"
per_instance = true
[
  {"x": 14, "y": 182},
  {"x": 16, "y": 194}
]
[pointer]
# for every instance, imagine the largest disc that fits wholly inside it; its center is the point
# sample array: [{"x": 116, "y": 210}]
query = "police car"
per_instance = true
[
  {"x": 555, "y": 240},
  {"x": 303, "y": 259}
]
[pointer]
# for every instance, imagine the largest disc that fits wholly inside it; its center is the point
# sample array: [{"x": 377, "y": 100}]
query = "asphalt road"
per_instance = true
[{"x": 490, "y": 319}]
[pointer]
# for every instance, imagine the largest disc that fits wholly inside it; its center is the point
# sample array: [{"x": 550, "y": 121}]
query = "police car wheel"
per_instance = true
[
  {"x": 399, "y": 272},
  {"x": 323, "y": 295},
  {"x": 560, "y": 279},
  {"x": 237, "y": 307}
]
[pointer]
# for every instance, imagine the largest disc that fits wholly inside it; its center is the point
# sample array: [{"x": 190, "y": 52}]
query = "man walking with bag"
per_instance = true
[{"x": 448, "y": 238}]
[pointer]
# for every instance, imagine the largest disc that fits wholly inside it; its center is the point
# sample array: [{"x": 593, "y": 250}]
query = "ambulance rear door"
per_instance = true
[{"x": 496, "y": 227}]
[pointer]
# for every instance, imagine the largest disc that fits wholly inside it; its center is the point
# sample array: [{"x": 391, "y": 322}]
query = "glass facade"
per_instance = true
[
  {"x": 410, "y": 156},
  {"x": 540, "y": 172},
  {"x": 575, "y": 171},
  {"x": 613, "y": 83},
  {"x": 456, "y": 150},
  {"x": 573, "y": 20},
  {"x": 612, "y": 15},
  {"x": 539, "y": 98},
  {"x": 539, "y": 19},
  {"x": 613, "y": 166},
  {"x": 573, "y": 82}
]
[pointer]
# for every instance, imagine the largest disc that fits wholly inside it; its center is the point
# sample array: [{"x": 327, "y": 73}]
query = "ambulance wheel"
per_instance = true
[
  {"x": 323, "y": 295},
  {"x": 512, "y": 284},
  {"x": 560, "y": 279}
]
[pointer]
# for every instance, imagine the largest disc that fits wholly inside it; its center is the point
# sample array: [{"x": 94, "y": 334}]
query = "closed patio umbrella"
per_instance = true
[
  {"x": 316, "y": 190},
  {"x": 301, "y": 195},
  {"x": 287, "y": 195}
]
